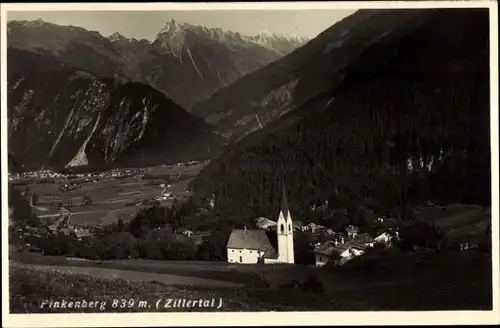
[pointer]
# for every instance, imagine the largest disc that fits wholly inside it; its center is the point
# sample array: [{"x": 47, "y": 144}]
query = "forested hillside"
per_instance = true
[{"x": 408, "y": 124}]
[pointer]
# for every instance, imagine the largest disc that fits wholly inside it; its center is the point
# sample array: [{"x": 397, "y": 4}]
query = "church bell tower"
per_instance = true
[{"x": 285, "y": 230}]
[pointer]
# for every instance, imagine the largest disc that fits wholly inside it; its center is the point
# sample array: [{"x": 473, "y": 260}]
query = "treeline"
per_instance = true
[
  {"x": 153, "y": 234},
  {"x": 22, "y": 213}
]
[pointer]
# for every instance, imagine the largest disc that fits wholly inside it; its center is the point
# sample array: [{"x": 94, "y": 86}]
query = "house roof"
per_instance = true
[
  {"x": 363, "y": 238},
  {"x": 252, "y": 239},
  {"x": 329, "y": 247},
  {"x": 264, "y": 223}
]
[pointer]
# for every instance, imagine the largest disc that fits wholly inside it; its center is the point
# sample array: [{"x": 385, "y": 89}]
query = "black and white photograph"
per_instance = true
[{"x": 161, "y": 160}]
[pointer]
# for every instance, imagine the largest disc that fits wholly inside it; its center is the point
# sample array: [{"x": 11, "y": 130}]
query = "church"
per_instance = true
[{"x": 261, "y": 246}]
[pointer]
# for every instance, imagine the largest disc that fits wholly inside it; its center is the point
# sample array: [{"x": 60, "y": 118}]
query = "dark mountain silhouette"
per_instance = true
[
  {"x": 398, "y": 119},
  {"x": 188, "y": 63},
  {"x": 69, "y": 117}
]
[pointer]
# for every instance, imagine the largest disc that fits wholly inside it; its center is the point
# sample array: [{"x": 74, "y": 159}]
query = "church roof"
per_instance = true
[{"x": 252, "y": 239}]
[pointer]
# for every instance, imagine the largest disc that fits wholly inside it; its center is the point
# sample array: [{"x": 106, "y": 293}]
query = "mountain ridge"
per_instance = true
[
  {"x": 69, "y": 117},
  {"x": 169, "y": 62},
  {"x": 405, "y": 123},
  {"x": 234, "y": 109}
]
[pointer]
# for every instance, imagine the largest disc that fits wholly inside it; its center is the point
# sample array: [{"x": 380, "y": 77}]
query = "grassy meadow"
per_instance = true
[{"x": 393, "y": 281}]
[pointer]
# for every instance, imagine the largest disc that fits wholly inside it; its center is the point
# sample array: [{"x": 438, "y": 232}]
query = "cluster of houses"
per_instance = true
[
  {"x": 62, "y": 224},
  {"x": 43, "y": 174},
  {"x": 343, "y": 247},
  {"x": 273, "y": 241}
]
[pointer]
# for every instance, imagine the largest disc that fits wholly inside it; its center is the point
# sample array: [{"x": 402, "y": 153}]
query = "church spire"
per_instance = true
[{"x": 284, "y": 202}]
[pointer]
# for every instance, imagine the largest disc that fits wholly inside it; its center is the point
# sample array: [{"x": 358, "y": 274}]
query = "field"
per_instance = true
[
  {"x": 29, "y": 287},
  {"x": 241, "y": 275},
  {"x": 112, "y": 198},
  {"x": 463, "y": 222},
  {"x": 419, "y": 281}
]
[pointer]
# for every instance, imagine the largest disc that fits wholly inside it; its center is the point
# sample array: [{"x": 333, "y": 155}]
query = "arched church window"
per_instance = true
[
  {"x": 282, "y": 228},
  {"x": 289, "y": 227}
]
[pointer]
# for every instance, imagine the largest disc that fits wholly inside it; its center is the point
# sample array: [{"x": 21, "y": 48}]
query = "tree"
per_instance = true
[
  {"x": 422, "y": 234},
  {"x": 22, "y": 213},
  {"x": 437, "y": 237},
  {"x": 213, "y": 247},
  {"x": 120, "y": 225},
  {"x": 302, "y": 249},
  {"x": 34, "y": 198},
  {"x": 86, "y": 200}
]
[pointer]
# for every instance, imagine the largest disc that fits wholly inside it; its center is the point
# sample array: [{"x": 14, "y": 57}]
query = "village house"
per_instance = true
[
  {"x": 299, "y": 226},
  {"x": 264, "y": 246},
  {"x": 387, "y": 237},
  {"x": 314, "y": 228},
  {"x": 384, "y": 238},
  {"x": 339, "y": 252}
]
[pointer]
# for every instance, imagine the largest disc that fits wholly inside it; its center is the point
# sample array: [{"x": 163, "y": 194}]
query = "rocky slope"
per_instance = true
[
  {"x": 188, "y": 63},
  {"x": 387, "y": 109},
  {"x": 61, "y": 116},
  {"x": 294, "y": 80}
]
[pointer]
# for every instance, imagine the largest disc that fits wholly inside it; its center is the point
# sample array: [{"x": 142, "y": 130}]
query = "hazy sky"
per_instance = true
[{"x": 146, "y": 24}]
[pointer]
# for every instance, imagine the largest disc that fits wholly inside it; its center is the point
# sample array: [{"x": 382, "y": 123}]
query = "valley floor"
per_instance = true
[{"x": 112, "y": 197}]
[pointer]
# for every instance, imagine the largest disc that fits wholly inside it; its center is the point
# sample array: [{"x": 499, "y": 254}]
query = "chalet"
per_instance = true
[
  {"x": 299, "y": 225},
  {"x": 81, "y": 233},
  {"x": 364, "y": 239},
  {"x": 332, "y": 252},
  {"x": 384, "y": 238},
  {"x": 314, "y": 228},
  {"x": 338, "y": 253},
  {"x": 264, "y": 246}
]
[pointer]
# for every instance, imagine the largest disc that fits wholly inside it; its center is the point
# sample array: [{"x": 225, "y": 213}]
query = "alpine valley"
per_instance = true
[
  {"x": 349, "y": 172},
  {"x": 379, "y": 109},
  {"x": 77, "y": 98}
]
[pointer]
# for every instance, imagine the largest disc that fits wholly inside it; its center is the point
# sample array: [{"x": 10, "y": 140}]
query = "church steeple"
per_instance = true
[
  {"x": 284, "y": 201},
  {"x": 285, "y": 230}
]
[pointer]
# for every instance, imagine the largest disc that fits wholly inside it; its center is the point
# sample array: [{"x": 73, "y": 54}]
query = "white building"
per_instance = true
[
  {"x": 260, "y": 246},
  {"x": 383, "y": 238}
]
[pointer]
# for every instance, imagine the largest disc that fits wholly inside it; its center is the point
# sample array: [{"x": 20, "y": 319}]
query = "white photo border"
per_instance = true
[{"x": 258, "y": 318}]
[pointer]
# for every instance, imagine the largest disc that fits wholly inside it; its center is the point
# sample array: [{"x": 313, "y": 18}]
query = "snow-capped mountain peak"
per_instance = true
[{"x": 172, "y": 37}]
